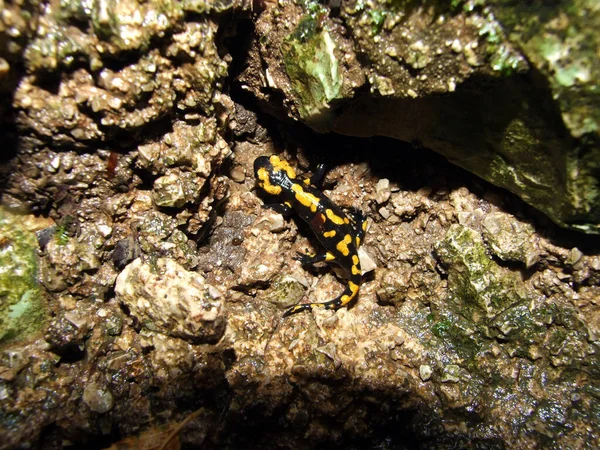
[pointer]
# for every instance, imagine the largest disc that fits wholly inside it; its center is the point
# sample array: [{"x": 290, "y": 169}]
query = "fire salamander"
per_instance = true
[{"x": 340, "y": 233}]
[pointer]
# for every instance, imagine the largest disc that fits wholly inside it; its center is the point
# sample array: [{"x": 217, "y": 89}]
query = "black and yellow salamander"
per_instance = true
[{"x": 340, "y": 233}]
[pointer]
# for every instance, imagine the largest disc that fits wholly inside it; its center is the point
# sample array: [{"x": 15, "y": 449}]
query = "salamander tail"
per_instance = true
[
  {"x": 299, "y": 308},
  {"x": 346, "y": 297}
]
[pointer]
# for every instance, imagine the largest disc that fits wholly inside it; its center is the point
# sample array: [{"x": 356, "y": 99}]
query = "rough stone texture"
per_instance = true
[
  {"x": 478, "y": 328},
  {"x": 17, "y": 26},
  {"x": 165, "y": 297},
  {"x": 108, "y": 98},
  {"x": 510, "y": 240},
  {"x": 310, "y": 60},
  {"x": 559, "y": 40},
  {"x": 442, "y": 338},
  {"x": 474, "y": 277},
  {"x": 530, "y": 130},
  {"x": 101, "y": 100}
]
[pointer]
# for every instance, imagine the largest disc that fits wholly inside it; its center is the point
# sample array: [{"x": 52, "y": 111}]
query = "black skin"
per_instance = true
[{"x": 328, "y": 221}]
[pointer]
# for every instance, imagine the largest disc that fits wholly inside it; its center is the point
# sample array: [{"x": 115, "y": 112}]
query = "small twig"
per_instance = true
[{"x": 179, "y": 427}]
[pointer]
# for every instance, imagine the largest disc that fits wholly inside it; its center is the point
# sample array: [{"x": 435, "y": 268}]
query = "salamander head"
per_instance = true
[
  {"x": 272, "y": 173},
  {"x": 262, "y": 162}
]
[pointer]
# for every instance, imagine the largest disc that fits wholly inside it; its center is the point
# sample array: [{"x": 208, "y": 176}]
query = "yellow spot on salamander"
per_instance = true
[
  {"x": 353, "y": 291},
  {"x": 329, "y": 257},
  {"x": 357, "y": 241},
  {"x": 364, "y": 225},
  {"x": 334, "y": 217},
  {"x": 354, "y": 259},
  {"x": 346, "y": 221},
  {"x": 329, "y": 234},
  {"x": 342, "y": 246},
  {"x": 265, "y": 182},
  {"x": 305, "y": 198},
  {"x": 281, "y": 165},
  {"x": 355, "y": 270}
]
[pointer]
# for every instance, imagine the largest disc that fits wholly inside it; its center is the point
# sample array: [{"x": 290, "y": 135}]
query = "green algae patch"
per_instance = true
[
  {"x": 312, "y": 67},
  {"x": 285, "y": 291},
  {"x": 478, "y": 286},
  {"x": 457, "y": 335},
  {"x": 23, "y": 311},
  {"x": 560, "y": 40}
]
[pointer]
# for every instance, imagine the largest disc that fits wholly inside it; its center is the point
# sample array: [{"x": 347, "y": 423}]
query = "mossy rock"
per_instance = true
[{"x": 23, "y": 310}]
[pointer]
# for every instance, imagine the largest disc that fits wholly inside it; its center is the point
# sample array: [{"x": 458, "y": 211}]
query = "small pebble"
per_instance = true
[
  {"x": 238, "y": 174},
  {"x": 425, "y": 372},
  {"x": 382, "y": 191}
]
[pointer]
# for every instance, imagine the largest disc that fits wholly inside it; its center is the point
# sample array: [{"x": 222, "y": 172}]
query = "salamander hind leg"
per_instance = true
[
  {"x": 298, "y": 308},
  {"x": 359, "y": 224},
  {"x": 332, "y": 304}
]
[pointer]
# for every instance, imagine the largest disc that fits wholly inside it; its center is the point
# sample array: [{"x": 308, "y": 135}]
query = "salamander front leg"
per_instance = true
[
  {"x": 317, "y": 177},
  {"x": 282, "y": 208},
  {"x": 306, "y": 260}
]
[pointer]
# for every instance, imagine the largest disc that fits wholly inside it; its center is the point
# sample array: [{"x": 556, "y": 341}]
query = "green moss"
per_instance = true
[
  {"x": 55, "y": 49},
  {"x": 285, "y": 292},
  {"x": 112, "y": 22},
  {"x": 22, "y": 309},
  {"x": 456, "y": 4},
  {"x": 502, "y": 58},
  {"x": 61, "y": 235},
  {"x": 477, "y": 284},
  {"x": 306, "y": 29},
  {"x": 505, "y": 61},
  {"x": 377, "y": 20},
  {"x": 560, "y": 40},
  {"x": 455, "y": 332},
  {"x": 313, "y": 8},
  {"x": 313, "y": 68},
  {"x": 442, "y": 328}
]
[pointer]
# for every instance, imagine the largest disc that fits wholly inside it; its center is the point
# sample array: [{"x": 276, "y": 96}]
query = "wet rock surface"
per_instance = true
[{"x": 162, "y": 278}]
